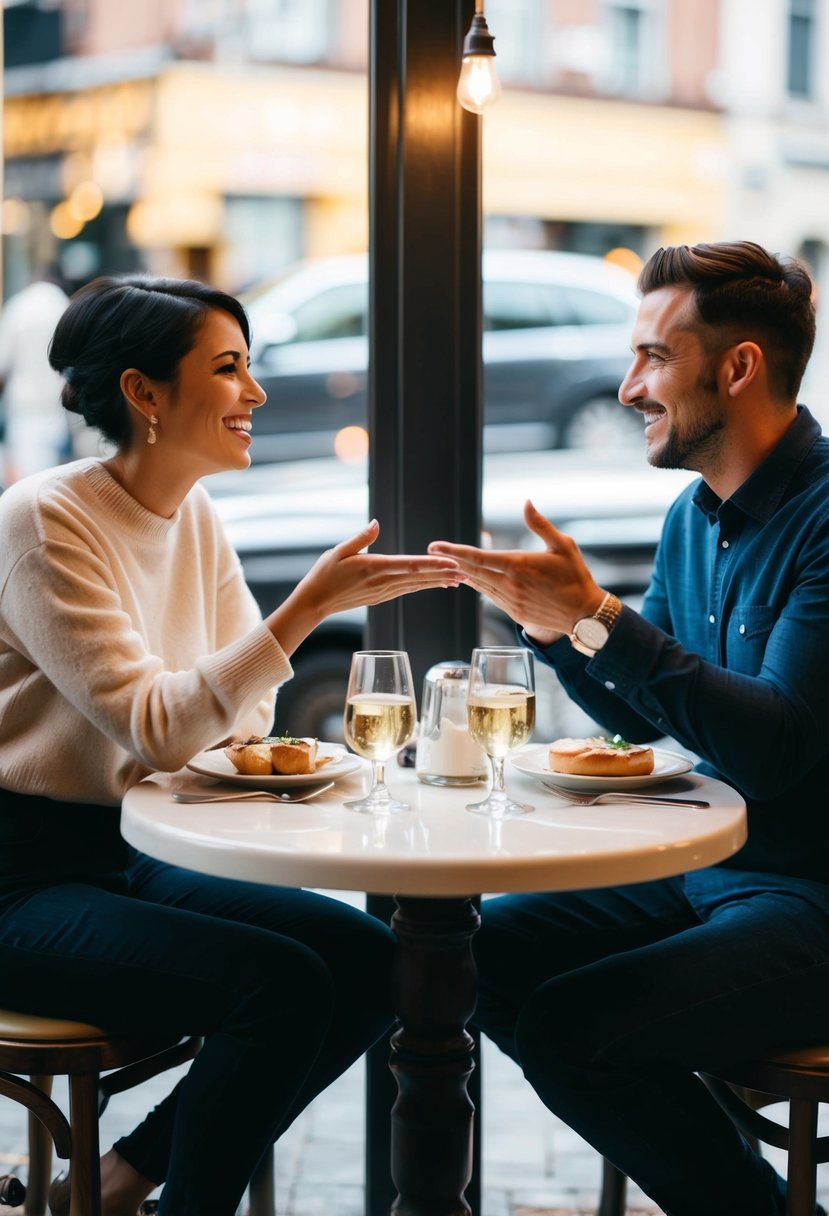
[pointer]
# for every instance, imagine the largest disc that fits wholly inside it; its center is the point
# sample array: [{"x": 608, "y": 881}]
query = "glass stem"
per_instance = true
[
  {"x": 379, "y": 775},
  {"x": 498, "y": 787}
]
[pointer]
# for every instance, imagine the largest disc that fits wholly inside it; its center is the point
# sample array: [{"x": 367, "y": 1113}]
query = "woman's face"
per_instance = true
[{"x": 205, "y": 417}]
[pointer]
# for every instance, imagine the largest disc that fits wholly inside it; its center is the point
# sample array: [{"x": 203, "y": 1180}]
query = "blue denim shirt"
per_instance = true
[{"x": 730, "y": 655}]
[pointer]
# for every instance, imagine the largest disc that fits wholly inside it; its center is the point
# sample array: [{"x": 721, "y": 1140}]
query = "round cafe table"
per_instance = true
[{"x": 434, "y": 859}]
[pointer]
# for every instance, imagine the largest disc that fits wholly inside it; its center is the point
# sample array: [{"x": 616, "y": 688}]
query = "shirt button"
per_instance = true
[
  {"x": 742, "y": 629},
  {"x": 609, "y": 685},
  {"x": 725, "y": 544},
  {"x": 712, "y": 619}
]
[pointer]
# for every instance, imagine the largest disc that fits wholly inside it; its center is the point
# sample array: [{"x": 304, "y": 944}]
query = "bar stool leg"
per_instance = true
[
  {"x": 85, "y": 1167},
  {"x": 614, "y": 1191},
  {"x": 262, "y": 1191},
  {"x": 40, "y": 1158},
  {"x": 802, "y": 1182}
]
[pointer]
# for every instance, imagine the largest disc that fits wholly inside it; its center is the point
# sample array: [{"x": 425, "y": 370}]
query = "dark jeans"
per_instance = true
[
  {"x": 612, "y": 1000},
  {"x": 288, "y": 987}
]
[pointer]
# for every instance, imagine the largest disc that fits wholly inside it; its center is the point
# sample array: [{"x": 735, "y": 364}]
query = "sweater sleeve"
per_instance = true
[{"x": 67, "y": 608}]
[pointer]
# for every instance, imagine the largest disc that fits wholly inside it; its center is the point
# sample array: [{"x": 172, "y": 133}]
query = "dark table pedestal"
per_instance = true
[{"x": 432, "y": 1055}]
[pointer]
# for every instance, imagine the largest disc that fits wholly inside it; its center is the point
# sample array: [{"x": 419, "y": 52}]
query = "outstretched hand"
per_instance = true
[
  {"x": 349, "y": 577},
  {"x": 544, "y": 592}
]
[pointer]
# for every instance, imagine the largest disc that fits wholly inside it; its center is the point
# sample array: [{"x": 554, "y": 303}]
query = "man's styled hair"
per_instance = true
[{"x": 745, "y": 293}]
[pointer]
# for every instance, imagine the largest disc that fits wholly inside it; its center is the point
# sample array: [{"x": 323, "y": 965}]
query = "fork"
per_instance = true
[
  {"x": 615, "y": 796},
  {"x": 301, "y": 795}
]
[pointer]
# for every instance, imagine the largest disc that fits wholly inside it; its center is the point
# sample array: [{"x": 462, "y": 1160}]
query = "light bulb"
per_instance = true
[{"x": 478, "y": 83}]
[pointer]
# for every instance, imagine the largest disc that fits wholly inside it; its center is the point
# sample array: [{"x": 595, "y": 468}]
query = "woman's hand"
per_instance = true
[
  {"x": 348, "y": 577},
  {"x": 544, "y": 592}
]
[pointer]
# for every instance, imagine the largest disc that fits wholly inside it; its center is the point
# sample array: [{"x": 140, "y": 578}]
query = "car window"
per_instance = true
[
  {"x": 339, "y": 312},
  {"x": 520, "y": 306},
  {"x": 586, "y": 307}
]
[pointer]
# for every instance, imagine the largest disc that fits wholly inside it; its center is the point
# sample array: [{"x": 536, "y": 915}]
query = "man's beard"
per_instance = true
[{"x": 697, "y": 443}]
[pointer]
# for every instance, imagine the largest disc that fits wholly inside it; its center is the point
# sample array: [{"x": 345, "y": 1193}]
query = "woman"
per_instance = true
[{"x": 128, "y": 643}]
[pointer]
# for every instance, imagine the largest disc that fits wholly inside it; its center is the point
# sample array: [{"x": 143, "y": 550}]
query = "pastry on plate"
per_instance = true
[
  {"x": 269, "y": 755},
  {"x": 597, "y": 757}
]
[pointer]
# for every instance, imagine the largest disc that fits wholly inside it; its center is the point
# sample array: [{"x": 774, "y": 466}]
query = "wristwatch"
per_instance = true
[{"x": 591, "y": 632}]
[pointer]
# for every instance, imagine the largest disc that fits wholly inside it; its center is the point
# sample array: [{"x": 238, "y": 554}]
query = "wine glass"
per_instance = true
[
  {"x": 500, "y": 705},
  {"x": 379, "y": 719}
]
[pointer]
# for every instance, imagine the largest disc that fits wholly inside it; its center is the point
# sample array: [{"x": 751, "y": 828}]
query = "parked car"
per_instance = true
[
  {"x": 281, "y": 518},
  {"x": 555, "y": 349}
]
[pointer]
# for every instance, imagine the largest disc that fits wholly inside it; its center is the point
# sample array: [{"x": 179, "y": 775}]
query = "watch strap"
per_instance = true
[{"x": 608, "y": 610}]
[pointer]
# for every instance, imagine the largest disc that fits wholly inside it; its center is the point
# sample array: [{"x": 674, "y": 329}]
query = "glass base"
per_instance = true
[
  {"x": 374, "y": 805},
  {"x": 436, "y": 779},
  {"x": 499, "y": 808}
]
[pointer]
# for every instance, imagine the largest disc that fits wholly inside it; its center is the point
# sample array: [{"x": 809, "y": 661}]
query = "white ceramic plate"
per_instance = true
[
  {"x": 534, "y": 761},
  {"x": 216, "y": 764}
]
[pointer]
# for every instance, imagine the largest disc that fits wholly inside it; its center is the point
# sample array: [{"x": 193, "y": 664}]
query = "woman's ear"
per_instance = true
[
  {"x": 138, "y": 390},
  {"x": 741, "y": 365}
]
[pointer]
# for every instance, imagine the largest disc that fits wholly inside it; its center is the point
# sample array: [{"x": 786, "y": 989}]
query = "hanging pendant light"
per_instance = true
[{"x": 478, "y": 84}]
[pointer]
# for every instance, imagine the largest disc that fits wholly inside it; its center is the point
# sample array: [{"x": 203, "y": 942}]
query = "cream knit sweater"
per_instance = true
[{"x": 128, "y": 642}]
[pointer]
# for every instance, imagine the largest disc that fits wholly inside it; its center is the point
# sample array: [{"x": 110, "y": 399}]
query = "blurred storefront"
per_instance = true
[
  {"x": 231, "y": 172},
  {"x": 194, "y": 169},
  {"x": 188, "y": 151}
]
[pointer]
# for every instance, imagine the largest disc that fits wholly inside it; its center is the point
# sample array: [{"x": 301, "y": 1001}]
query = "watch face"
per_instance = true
[{"x": 591, "y": 632}]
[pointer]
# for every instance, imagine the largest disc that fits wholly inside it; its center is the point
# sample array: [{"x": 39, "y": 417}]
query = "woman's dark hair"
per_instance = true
[
  {"x": 128, "y": 321},
  {"x": 745, "y": 293}
]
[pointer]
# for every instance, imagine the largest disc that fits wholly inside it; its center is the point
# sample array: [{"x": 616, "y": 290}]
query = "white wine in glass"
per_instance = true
[
  {"x": 379, "y": 719},
  {"x": 501, "y": 709}
]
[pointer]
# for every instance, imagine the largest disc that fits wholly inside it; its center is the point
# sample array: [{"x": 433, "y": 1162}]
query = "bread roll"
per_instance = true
[
  {"x": 600, "y": 758},
  {"x": 294, "y": 756},
  {"x": 251, "y": 757},
  {"x": 264, "y": 757}
]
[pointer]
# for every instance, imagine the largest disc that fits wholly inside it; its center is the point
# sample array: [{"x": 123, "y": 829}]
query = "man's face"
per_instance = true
[{"x": 672, "y": 383}]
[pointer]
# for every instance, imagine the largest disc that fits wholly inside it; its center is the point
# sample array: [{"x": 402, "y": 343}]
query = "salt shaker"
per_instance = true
[{"x": 446, "y": 753}]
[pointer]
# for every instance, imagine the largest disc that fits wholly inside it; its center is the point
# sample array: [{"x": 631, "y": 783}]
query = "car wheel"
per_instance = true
[
  {"x": 311, "y": 704},
  {"x": 602, "y": 423}
]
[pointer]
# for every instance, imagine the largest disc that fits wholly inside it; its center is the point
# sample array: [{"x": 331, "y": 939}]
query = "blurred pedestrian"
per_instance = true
[{"x": 36, "y": 427}]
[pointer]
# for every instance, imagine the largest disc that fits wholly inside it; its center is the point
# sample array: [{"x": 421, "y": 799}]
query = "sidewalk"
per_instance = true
[{"x": 533, "y": 1164}]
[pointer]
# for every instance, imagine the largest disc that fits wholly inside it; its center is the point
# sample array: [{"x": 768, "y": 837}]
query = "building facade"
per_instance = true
[{"x": 228, "y": 138}]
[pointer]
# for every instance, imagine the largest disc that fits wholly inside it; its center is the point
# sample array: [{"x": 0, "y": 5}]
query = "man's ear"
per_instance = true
[
  {"x": 137, "y": 389},
  {"x": 740, "y": 366}
]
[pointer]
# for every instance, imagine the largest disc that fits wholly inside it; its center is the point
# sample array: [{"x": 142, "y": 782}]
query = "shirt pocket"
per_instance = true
[{"x": 747, "y": 635}]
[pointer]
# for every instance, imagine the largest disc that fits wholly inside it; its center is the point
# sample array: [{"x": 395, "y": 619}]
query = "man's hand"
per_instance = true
[{"x": 545, "y": 593}]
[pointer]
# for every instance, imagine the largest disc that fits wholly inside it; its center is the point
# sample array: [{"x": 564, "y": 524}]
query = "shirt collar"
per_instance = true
[{"x": 761, "y": 494}]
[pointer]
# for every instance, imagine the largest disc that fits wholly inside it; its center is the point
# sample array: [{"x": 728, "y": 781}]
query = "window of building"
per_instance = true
[
  {"x": 800, "y": 67},
  {"x": 520, "y": 28},
  {"x": 635, "y": 57},
  {"x": 297, "y": 31}
]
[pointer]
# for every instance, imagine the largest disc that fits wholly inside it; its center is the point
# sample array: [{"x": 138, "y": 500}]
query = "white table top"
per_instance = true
[{"x": 437, "y": 848}]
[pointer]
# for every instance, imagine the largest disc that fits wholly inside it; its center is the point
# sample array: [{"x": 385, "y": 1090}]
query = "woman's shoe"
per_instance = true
[{"x": 12, "y": 1191}]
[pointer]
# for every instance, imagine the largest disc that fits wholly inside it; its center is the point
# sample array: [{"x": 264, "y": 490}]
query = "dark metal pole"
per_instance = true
[{"x": 425, "y": 372}]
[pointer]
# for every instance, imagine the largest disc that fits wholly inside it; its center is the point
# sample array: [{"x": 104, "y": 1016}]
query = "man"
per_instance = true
[{"x": 612, "y": 999}]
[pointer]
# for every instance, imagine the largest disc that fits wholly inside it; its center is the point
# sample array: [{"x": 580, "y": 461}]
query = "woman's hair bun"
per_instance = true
[{"x": 71, "y": 397}]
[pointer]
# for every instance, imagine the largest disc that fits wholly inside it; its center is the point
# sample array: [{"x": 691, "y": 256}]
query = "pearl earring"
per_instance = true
[{"x": 151, "y": 435}]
